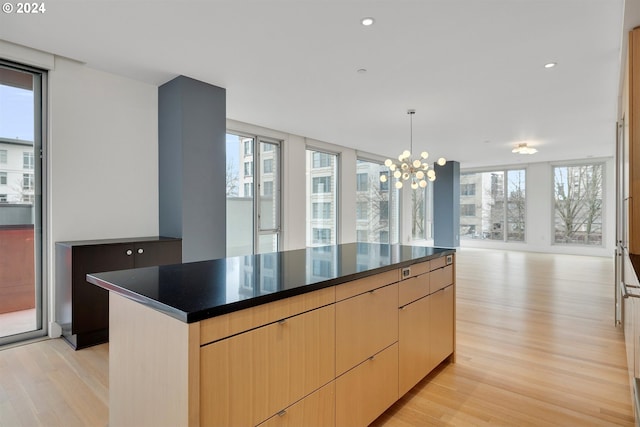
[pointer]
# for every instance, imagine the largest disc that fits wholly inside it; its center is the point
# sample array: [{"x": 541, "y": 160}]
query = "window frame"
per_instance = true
[
  {"x": 254, "y": 155},
  {"x": 311, "y": 196},
  {"x": 505, "y": 200},
  {"x": 392, "y": 218},
  {"x": 603, "y": 190}
]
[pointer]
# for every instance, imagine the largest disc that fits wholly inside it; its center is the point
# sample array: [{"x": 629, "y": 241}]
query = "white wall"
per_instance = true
[
  {"x": 101, "y": 166},
  {"x": 539, "y": 215}
]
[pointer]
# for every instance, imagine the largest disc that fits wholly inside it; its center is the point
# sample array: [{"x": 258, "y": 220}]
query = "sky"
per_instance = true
[{"x": 16, "y": 113}]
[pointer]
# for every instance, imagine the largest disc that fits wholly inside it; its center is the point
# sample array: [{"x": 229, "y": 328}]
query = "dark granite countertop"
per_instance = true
[{"x": 196, "y": 291}]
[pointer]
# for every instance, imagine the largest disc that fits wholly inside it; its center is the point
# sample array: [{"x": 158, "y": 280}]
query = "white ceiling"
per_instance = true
[{"x": 472, "y": 69}]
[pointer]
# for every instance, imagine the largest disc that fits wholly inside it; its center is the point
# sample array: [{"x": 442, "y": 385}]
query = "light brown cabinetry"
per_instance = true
[
  {"x": 365, "y": 324},
  {"x": 414, "y": 343},
  {"x": 249, "y": 377},
  {"x": 366, "y": 391},
  {"x": 316, "y": 410},
  {"x": 426, "y": 322},
  {"x": 441, "y": 324},
  {"x": 339, "y": 356}
]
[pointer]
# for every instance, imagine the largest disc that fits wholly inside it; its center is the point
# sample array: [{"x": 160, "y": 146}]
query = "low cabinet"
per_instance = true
[
  {"x": 252, "y": 376},
  {"x": 82, "y": 310}
]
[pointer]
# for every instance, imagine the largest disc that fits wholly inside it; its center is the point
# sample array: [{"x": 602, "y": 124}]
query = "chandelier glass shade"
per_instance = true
[{"x": 409, "y": 169}]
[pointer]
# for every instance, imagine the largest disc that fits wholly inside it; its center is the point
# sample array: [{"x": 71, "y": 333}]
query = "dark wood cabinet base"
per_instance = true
[
  {"x": 82, "y": 309},
  {"x": 86, "y": 339}
]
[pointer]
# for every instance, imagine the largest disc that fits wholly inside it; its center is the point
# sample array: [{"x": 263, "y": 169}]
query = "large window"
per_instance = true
[
  {"x": 322, "y": 198},
  {"x": 253, "y": 196},
  {"x": 21, "y": 211},
  {"x": 578, "y": 195},
  {"x": 377, "y": 208},
  {"x": 492, "y": 205},
  {"x": 422, "y": 213}
]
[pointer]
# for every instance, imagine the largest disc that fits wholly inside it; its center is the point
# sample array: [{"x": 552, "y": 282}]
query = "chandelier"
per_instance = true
[{"x": 409, "y": 169}]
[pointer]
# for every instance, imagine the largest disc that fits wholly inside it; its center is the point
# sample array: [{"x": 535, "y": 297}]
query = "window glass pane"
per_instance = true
[
  {"x": 489, "y": 204},
  {"x": 418, "y": 205},
  {"x": 21, "y": 212},
  {"x": 322, "y": 198},
  {"x": 239, "y": 195},
  {"x": 269, "y": 178},
  {"x": 267, "y": 243},
  {"x": 250, "y": 196},
  {"x": 377, "y": 208},
  {"x": 516, "y": 207},
  {"x": 578, "y": 204}
]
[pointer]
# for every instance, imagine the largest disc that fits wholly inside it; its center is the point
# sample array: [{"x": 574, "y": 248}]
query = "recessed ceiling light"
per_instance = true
[
  {"x": 550, "y": 65},
  {"x": 367, "y": 21},
  {"x": 361, "y": 71}
]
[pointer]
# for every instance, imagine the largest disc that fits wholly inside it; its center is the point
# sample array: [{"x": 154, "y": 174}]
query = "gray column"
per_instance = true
[
  {"x": 192, "y": 159},
  {"x": 446, "y": 205}
]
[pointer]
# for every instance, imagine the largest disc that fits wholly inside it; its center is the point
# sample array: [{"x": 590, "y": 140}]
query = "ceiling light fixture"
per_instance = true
[
  {"x": 367, "y": 21},
  {"x": 417, "y": 170},
  {"x": 524, "y": 149},
  {"x": 550, "y": 65}
]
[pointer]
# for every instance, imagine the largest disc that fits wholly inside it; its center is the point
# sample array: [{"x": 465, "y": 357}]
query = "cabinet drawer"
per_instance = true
[
  {"x": 413, "y": 288},
  {"x": 316, "y": 410},
  {"x": 219, "y": 327},
  {"x": 438, "y": 262},
  {"x": 416, "y": 269},
  {"x": 249, "y": 377},
  {"x": 441, "y": 278},
  {"x": 356, "y": 287},
  {"x": 365, "y": 324},
  {"x": 366, "y": 391},
  {"x": 441, "y": 324},
  {"x": 414, "y": 344}
]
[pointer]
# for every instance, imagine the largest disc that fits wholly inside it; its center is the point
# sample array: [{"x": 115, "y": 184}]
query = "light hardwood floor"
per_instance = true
[{"x": 536, "y": 346}]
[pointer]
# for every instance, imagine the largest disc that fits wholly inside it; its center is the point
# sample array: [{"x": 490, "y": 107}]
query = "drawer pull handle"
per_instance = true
[
  {"x": 372, "y": 357},
  {"x": 372, "y": 291},
  {"x": 406, "y": 272},
  {"x": 140, "y": 251},
  {"x": 282, "y": 321},
  {"x": 129, "y": 252},
  {"x": 449, "y": 259},
  {"x": 282, "y": 413}
]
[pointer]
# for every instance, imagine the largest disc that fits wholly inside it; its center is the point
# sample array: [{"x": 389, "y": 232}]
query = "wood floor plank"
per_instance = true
[{"x": 536, "y": 346}]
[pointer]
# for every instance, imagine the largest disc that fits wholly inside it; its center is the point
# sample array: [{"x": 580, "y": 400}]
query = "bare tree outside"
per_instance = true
[
  {"x": 23, "y": 188},
  {"x": 578, "y": 204},
  {"x": 232, "y": 180},
  {"x": 417, "y": 213},
  {"x": 377, "y": 212},
  {"x": 516, "y": 205}
]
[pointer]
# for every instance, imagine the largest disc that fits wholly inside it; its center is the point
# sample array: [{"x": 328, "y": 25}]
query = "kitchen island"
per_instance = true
[{"x": 323, "y": 336}]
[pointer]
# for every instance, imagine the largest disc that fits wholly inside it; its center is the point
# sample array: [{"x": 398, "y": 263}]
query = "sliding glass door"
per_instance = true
[{"x": 21, "y": 118}]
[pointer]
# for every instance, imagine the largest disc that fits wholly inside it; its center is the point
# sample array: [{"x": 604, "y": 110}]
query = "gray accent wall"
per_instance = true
[
  {"x": 192, "y": 166},
  {"x": 446, "y": 205}
]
